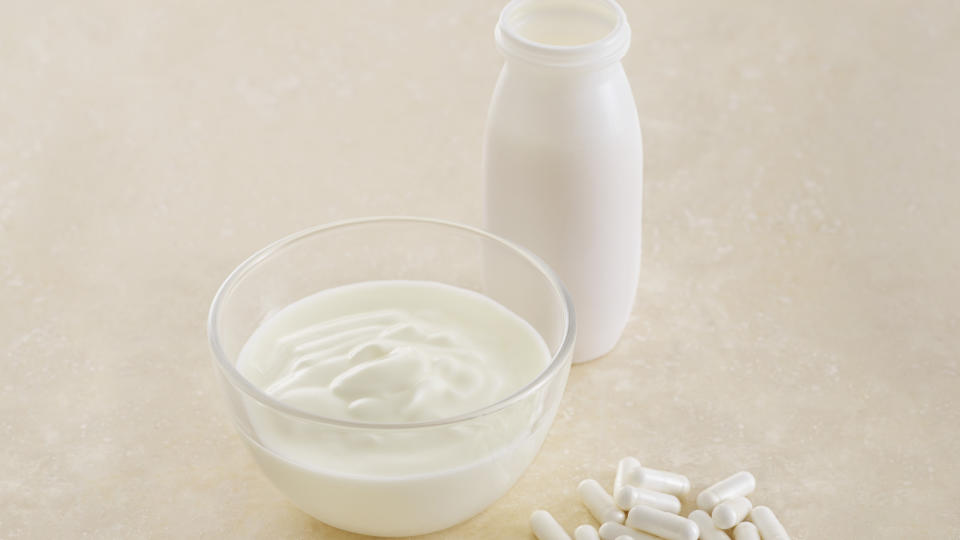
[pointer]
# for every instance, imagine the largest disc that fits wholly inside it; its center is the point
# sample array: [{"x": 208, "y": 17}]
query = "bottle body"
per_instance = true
[{"x": 563, "y": 173}]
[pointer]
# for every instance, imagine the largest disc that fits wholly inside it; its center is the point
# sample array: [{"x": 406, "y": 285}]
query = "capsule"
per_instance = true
[
  {"x": 545, "y": 527},
  {"x": 612, "y": 531},
  {"x": 624, "y": 537},
  {"x": 767, "y": 523},
  {"x": 629, "y": 473},
  {"x": 599, "y": 502},
  {"x": 630, "y": 496},
  {"x": 585, "y": 532},
  {"x": 739, "y": 485},
  {"x": 663, "y": 524},
  {"x": 746, "y": 531},
  {"x": 730, "y": 512},
  {"x": 664, "y": 482},
  {"x": 708, "y": 531}
]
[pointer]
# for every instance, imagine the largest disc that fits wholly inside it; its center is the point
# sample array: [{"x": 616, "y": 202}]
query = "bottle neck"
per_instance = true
[{"x": 563, "y": 34}]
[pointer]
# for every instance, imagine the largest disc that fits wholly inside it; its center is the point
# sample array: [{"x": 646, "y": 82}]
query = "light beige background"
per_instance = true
[{"x": 797, "y": 313}]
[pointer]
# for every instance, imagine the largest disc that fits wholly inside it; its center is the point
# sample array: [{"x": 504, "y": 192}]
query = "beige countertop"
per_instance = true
[{"x": 797, "y": 314}]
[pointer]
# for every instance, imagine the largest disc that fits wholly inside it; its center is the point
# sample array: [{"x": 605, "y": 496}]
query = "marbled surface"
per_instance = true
[{"x": 797, "y": 314}]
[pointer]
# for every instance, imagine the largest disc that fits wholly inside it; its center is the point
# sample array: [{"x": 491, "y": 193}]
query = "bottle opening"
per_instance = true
[{"x": 563, "y": 32}]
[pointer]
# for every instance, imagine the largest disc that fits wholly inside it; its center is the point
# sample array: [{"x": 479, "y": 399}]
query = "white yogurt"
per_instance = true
[{"x": 392, "y": 352}]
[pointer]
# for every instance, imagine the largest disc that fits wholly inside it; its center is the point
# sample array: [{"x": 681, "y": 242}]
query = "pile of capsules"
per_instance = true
[{"x": 650, "y": 498}]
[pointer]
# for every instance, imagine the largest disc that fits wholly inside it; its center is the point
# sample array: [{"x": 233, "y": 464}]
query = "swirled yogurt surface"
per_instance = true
[
  {"x": 393, "y": 352},
  {"x": 388, "y": 353}
]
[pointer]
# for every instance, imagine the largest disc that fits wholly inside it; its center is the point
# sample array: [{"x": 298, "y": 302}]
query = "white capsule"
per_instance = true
[
  {"x": 545, "y": 527},
  {"x": 767, "y": 523},
  {"x": 662, "y": 524},
  {"x": 624, "y": 537},
  {"x": 598, "y": 501},
  {"x": 585, "y": 532},
  {"x": 630, "y": 496},
  {"x": 739, "y": 485},
  {"x": 629, "y": 473},
  {"x": 665, "y": 482},
  {"x": 746, "y": 531},
  {"x": 730, "y": 512},
  {"x": 612, "y": 531},
  {"x": 708, "y": 531}
]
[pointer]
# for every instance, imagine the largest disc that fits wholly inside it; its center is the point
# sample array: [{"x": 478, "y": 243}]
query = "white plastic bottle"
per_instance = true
[{"x": 563, "y": 158}]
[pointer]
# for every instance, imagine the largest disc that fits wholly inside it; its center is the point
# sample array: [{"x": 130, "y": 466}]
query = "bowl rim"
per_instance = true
[{"x": 233, "y": 375}]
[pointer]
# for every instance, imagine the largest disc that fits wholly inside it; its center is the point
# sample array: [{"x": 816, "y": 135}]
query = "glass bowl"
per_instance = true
[{"x": 452, "y": 468}]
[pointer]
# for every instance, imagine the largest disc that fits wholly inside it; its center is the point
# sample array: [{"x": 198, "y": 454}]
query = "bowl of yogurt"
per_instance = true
[{"x": 392, "y": 376}]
